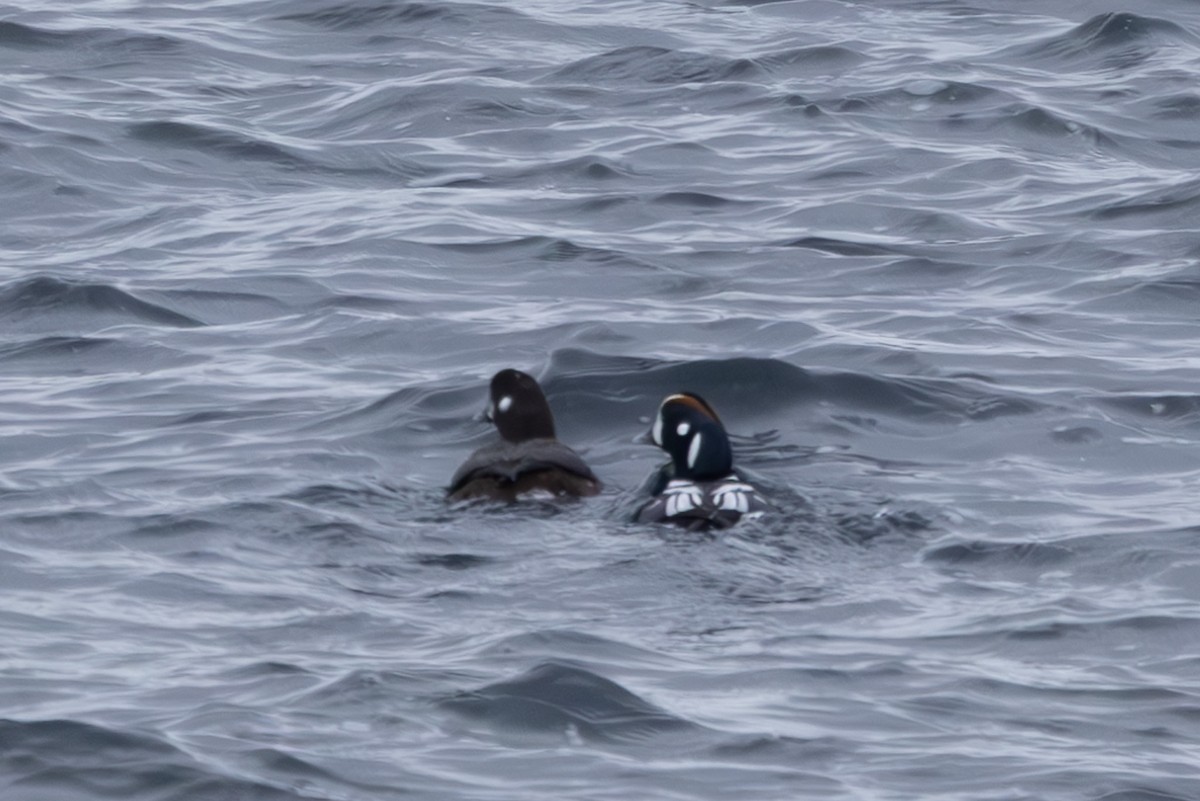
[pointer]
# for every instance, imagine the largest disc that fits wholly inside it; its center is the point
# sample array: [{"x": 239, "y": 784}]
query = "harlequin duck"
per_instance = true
[
  {"x": 527, "y": 458},
  {"x": 699, "y": 489}
]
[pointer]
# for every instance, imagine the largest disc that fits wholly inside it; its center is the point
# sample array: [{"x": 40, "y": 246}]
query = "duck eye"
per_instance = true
[{"x": 683, "y": 428}]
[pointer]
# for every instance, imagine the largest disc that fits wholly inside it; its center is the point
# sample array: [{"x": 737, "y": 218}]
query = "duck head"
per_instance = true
[
  {"x": 519, "y": 408},
  {"x": 688, "y": 429}
]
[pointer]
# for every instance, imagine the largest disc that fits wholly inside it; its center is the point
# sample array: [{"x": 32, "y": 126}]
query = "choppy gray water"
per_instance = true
[{"x": 936, "y": 263}]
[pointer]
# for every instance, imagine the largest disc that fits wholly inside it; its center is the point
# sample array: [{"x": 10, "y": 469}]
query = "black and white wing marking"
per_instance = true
[
  {"x": 703, "y": 505},
  {"x": 737, "y": 496},
  {"x": 682, "y": 497}
]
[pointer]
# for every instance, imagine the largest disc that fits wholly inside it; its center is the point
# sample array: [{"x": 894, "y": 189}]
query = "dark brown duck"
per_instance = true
[{"x": 528, "y": 458}]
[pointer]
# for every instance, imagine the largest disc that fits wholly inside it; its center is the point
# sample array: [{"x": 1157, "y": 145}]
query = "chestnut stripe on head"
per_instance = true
[{"x": 693, "y": 401}]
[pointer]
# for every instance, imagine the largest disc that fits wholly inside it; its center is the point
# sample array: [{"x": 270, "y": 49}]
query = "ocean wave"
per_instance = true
[
  {"x": 214, "y": 141},
  {"x": 1114, "y": 40},
  {"x": 642, "y": 64},
  {"x": 46, "y": 301},
  {"x": 72, "y": 759},
  {"x": 16, "y": 34},
  {"x": 565, "y": 700},
  {"x": 372, "y": 15}
]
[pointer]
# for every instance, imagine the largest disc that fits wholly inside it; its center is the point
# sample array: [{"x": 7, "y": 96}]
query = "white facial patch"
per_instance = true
[
  {"x": 505, "y": 403},
  {"x": 683, "y": 428},
  {"x": 694, "y": 450},
  {"x": 656, "y": 431}
]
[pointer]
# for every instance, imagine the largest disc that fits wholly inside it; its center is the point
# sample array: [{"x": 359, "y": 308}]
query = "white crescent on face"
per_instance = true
[
  {"x": 505, "y": 403},
  {"x": 694, "y": 450},
  {"x": 656, "y": 432}
]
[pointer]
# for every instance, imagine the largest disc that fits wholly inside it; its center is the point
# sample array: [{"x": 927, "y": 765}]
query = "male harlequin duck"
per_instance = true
[
  {"x": 528, "y": 458},
  {"x": 699, "y": 489}
]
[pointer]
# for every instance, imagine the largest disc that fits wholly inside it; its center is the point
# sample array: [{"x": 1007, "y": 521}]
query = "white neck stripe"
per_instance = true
[{"x": 694, "y": 451}]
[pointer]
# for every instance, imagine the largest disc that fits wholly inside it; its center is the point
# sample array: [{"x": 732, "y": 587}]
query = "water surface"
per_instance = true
[{"x": 935, "y": 263}]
